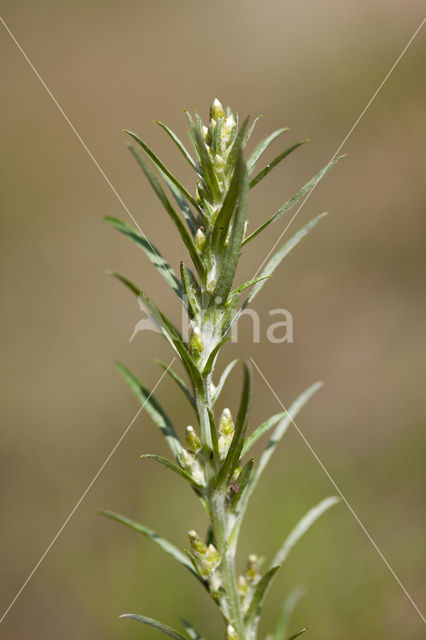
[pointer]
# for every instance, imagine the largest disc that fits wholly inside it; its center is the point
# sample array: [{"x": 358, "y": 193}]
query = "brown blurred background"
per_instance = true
[{"x": 355, "y": 288}]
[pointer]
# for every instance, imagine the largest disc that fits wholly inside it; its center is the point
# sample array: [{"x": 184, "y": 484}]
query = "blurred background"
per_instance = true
[{"x": 355, "y": 288}]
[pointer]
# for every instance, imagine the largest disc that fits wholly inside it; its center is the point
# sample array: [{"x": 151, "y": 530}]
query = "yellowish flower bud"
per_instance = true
[
  {"x": 200, "y": 239},
  {"x": 219, "y": 162},
  {"x": 192, "y": 442},
  {"x": 216, "y": 110},
  {"x": 197, "y": 545},
  {"x": 242, "y": 585},
  {"x": 226, "y": 426},
  {"x": 196, "y": 341},
  {"x": 231, "y": 634}
]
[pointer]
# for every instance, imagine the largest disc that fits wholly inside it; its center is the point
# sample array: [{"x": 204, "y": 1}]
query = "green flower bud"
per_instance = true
[
  {"x": 242, "y": 585},
  {"x": 200, "y": 239},
  {"x": 197, "y": 545},
  {"x": 226, "y": 426},
  {"x": 219, "y": 162},
  {"x": 192, "y": 442},
  {"x": 196, "y": 341},
  {"x": 231, "y": 634},
  {"x": 216, "y": 110}
]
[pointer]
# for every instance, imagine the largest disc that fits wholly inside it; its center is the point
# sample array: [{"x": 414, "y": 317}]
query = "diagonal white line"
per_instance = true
[
  {"x": 83, "y": 495},
  {"x": 79, "y": 138},
  {"x": 333, "y": 482},
  {"x": 355, "y": 124}
]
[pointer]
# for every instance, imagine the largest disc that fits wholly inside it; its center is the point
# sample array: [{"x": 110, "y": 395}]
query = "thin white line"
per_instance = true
[
  {"x": 345, "y": 138},
  {"x": 80, "y": 500},
  {"x": 78, "y": 136},
  {"x": 341, "y": 494}
]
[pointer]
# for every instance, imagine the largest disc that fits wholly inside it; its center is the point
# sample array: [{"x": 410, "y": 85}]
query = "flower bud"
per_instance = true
[
  {"x": 231, "y": 634},
  {"x": 196, "y": 341},
  {"x": 216, "y": 110},
  {"x": 252, "y": 573},
  {"x": 219, "y": 162},
  {"x": 192, "y": 442},
  {"x": 197, "y": 545},
  {"x": 242, "y": 585},
  {"x": 226, "y": 426},
  {"x": 200, "y": 239}
]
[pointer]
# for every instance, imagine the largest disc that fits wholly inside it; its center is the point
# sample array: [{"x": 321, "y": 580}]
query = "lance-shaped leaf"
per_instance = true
[
  {"x": 262, "y": 146},
  {"x": 167, "y": 546},
  {"x": 281, "y": 253},
  {"x": 298, "y": 633},
  {"x": 183, "y": 232},
  {"x": 192, "y": 222},
  {"x": 153, "y": 254},
  {"x": 242, "y": 482},
  {"x": 213, "y": 434},
  {"x": 212, "y": 357},
  {"x": 250, "y": 130},
  {"x": 216, "y": 137},
  {"x": 178, "y": 143},
  {"x": 192, "y": 633},
  {"x": 168, "y": 330},
  {"x": 302, "y": 527},
  {"x": 256, "y": 603},
  {"x": 236, "y": 148},
  {"x": 224, "y": 216},
  {"x": 274, "y": 163},
  {"x": 153, "y": 408},
  {"x": 290, "y": 603},
  {"x": 261, "y": 430},
  {"x": 283, "y": 425},
  {"x": 230, "y": 262},
  {"x": 235, "y": 295},
  {"x": 173, "y": 467},
  {"x": 309, "y": 186},
  {"x": 207, "y": 169},
  {"x": 231, "y": 461},
  {"x": 222, "y": 380},
  {"x": 168, "y": 631},
  {"x": 174, "y": 376},
  {"x": 191, "y": 291},
  {"x": 163, "y": 169}
]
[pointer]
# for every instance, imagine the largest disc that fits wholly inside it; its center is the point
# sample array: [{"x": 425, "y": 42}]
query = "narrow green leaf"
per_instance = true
[
  {"x": 298, "y": 633},
  {"x": 283, "y": 425},
  {"x": 224, "y": 216},
  {"x": 230, "y": 262},
  {"x": 216, "y": 138},
  {"x": 213, "y": 433},
  {"x": 284, "y": 619},
  {"x": 173, "y": 467},
  {"x": 236, "y": 149},
  {"x": 153, "y": 408},
  {"x": 250, "y": 283},
  {"x": 174, "y": 376},
  {"x": 192, "y": 222},
  {"x": 208, "y": 173},
  {"x": 261, "y": 430},
  {"x": 262, "y": 146},
  {"x": 163, "y": 169},
  {"x": 153, "y": 254},
  {"x": 250, "y": 130},
  {"x": 231, "y": 461},
  {"x": 168, "y": 631},
  {"x": 167, "y": 546},
  {"x": 242, "y": 481},
  {"x": 281, "y": 253},
  {"x": 294, "y": 199},
  {"x": 258, "y": 597},
  {"x": 192, "y": 633},
  {"x": 302, "y": 527},
  {"x": 274, "y": 163},
  {"x": 212, "y": 357},
  {"x": 222, "y": 380},
  {"x": 178, "y": 143},
  {"x": 191, "y": 291},
  {"x": 183, "y": 232}
]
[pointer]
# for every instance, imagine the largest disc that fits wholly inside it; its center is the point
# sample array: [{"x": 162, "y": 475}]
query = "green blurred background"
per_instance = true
[{"x": 355, "y": 288}]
